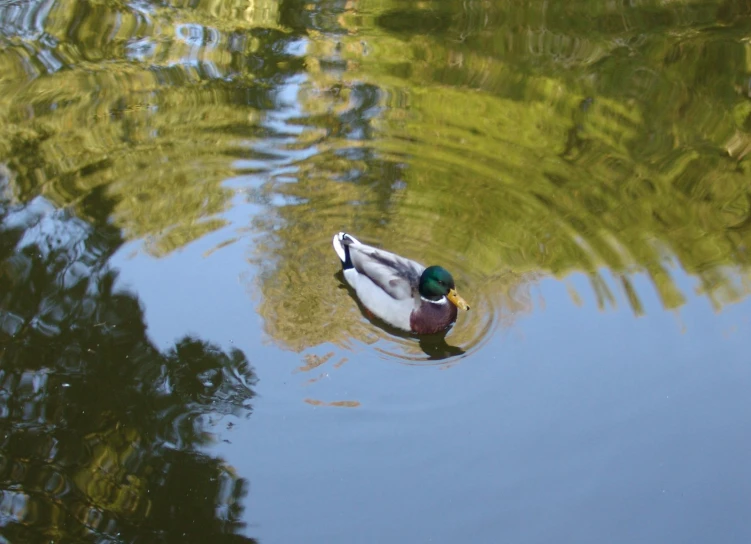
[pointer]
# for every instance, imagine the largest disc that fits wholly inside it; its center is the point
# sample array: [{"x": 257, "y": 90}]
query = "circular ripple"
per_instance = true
[{"x": 471, "y": 330}]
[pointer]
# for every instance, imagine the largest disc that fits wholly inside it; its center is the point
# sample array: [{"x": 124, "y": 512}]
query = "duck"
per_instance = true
[{"x": 402, "y": 292}]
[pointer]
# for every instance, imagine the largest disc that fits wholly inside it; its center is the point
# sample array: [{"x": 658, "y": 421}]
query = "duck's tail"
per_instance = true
[{"x": 341, "y": 242}]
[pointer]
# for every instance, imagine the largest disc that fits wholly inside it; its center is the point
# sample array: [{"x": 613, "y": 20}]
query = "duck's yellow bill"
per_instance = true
[{"x": 457, "y": 301}]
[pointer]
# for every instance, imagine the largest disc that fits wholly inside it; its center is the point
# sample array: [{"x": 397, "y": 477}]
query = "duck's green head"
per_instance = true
[{"x": 436, "y": 282}]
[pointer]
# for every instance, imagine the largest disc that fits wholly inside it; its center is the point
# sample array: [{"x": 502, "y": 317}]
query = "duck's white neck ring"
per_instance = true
[{"x": 441, "y": 301}]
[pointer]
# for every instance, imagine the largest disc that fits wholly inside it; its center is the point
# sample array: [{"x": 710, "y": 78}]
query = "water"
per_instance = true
[{"x": 179, "y": 358}]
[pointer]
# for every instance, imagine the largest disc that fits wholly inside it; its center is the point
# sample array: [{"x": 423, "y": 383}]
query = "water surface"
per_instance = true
[{"x": 179, "y": 360}]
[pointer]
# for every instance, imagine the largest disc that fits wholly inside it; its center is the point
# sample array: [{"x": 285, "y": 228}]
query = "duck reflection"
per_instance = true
[{"x": 433, "y": 345}]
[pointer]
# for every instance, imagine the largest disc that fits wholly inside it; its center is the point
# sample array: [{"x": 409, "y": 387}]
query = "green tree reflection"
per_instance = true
[
  {"x": 581, "y": 136},
  {"x": 593, "y": 137},
  {"x": 100, "y": 430}
]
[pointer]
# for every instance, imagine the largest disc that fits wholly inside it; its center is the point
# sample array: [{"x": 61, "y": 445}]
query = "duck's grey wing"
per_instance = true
[{"x": 397, "y": 276}]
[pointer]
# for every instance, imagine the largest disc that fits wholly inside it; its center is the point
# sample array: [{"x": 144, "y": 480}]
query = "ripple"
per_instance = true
[
  {"x": 498, "y": 191},
  {"x": 305, "y": 301},
  {"x": 472, "y": 328}
]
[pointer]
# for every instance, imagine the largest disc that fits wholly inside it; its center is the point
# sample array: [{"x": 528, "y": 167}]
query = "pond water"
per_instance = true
[{"x": 181, "y": 362}]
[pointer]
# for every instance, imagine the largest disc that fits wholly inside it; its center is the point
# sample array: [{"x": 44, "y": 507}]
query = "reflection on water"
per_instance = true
[
  {"x": 507, "y": 141},
  {"x": 100, "y": 430},
  {"x": 509, "y": 152},
  {"x": 501, "y": 143}
]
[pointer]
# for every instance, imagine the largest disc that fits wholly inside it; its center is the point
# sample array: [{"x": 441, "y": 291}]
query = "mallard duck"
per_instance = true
[{"x": 400, "y": 291}]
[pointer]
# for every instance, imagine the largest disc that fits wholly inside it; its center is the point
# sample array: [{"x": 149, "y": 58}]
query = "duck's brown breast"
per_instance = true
[{"x": 431, "y": 318}]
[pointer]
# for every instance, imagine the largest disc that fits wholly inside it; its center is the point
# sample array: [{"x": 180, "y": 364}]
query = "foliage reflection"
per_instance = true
[
  {"x": 101, "y": 432},
  {"x": 508, "y": 140}
]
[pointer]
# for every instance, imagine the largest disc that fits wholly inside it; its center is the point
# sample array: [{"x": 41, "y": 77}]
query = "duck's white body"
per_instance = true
[{"x": 385, "y": 283}]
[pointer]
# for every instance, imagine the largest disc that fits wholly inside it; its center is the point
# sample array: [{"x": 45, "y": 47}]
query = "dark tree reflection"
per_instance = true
[{"x": 99, "y": 430}]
